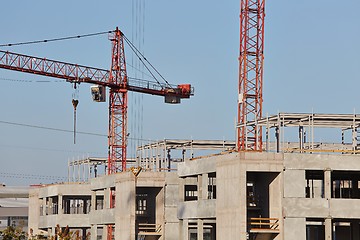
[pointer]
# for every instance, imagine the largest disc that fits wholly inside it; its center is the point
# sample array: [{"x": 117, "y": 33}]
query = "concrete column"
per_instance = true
[
  {"x": 277, "y": 138},
  {"x": 60, "y": 204},
  {"x": 44, "y": 206},
  {"x": 200, "y": 229},
  {"x": 181, "y": 189},
  {"x": 93, "y": 201},
  {"x": 106, "y": 198},
  {"x": 354, "y": 138},
  {"x": 328, "y": 229},
  {"x": 104, "y": 233},
  {"x": 205, "y": 180},
  {"x": 184, "y": 229},
  {"x": 50, "y": 206},
  {"x": 242, "y": 198},
  {"x": 200, "y": 187},
  {"x": 301, "y": 138},
  {"x": 157, "y": 159},
  {"x": 93, "y": 233},
  {"x": 327, "y": 183},
  {"x": 181, "y": 229}
]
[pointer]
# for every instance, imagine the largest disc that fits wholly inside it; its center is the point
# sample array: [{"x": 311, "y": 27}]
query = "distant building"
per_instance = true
[{"x": 14, "y": 202}]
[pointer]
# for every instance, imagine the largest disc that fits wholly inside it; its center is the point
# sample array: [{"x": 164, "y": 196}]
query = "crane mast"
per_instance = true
[
  {"x": 115, "y": 79},
  {"x": 250, "y": 74},
  {"x": 118, "y": 100}
]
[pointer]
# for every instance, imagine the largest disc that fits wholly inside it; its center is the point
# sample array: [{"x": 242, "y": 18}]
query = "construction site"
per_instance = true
[{"x": 259, "y": 186}]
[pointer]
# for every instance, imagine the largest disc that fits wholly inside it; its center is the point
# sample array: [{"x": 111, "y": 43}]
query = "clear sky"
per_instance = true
[{"x": 311, "y": 64}]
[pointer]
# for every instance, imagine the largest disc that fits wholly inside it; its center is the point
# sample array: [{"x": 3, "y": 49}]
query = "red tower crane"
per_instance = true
[
  {"x": 250, "y": 74},
  {"x": 116, "y": 80}
]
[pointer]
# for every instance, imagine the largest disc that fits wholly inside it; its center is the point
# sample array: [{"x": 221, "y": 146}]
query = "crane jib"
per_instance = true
[{"x": 75, "y": 73}]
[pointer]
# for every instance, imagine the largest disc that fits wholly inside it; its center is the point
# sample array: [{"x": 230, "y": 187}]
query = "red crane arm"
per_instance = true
[{"x": 75, "y": 73}]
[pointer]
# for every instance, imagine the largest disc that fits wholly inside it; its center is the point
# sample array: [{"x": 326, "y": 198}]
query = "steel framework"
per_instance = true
[
  {"x": 250, "y": 74},
  {"x": 348, "y": 124}
]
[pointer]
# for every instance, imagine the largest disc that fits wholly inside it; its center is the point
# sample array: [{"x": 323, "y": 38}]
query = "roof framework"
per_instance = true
[
  {"x": 306, "y": 124},
  {"x": 343, "y": 121}
]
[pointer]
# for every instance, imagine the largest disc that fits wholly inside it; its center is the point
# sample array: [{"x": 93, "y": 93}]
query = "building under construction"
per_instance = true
[
  {"x": 291, "y": 190},
  {"x": 260, "y": 186}
]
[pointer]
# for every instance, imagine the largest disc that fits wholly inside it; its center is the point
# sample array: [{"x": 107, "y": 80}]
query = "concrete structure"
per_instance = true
[
  {"x": 139, "y": 207},
  {"x": 270, "y": 196},
  {"x": 294, "y": 191}
]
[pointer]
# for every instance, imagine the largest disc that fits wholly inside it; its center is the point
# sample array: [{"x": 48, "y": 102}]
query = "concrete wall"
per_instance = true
[
  {"x": 73, "y": 220},
  {"x": 34, "y": 210},
  {"x": 276, "y": 202},
  {"x": 125, "y": 206},
  {"x": 297, "y": 208},
  {"x": 71, "y": 189},
  {"x": 103, "y": 182},
  {"x": 294, "y": 183},
  {"x": 231, "y": 198},
  {"x": 198, "y": 166},
  {"x": 171, "y": 229},
  {"x": 294, "y": 229},
  {"x": 322, "y": 161},
  {"x": 103, "y": 216},
  {"x": 197, "y": 209}
]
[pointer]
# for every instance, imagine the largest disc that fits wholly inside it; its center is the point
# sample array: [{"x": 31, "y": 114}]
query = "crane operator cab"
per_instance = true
[{"x": 98, "y": 93}]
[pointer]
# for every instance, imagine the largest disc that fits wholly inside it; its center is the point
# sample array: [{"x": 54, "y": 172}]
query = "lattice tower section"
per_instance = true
[
  {"x": 118, "y": 104},
  {"x": 250, "y": 74}
]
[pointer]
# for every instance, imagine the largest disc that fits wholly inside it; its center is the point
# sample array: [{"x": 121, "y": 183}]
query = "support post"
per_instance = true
[
  {"x": 277, "y": 137},
  {"x": 200, "y": 186},
  {"x": 328, "y": 228},
  {"x": 205, "y": 181},
  {"x": 60, "y": 204},
  {"x": 327, "y": 184},
  {"x": 200, "y": 229},
  {"x": 301, "y": 138},
  {"x": 93, "y": 201}
]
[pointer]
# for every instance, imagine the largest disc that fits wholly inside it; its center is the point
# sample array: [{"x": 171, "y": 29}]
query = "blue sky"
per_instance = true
[{"x": 311, "y": 64}]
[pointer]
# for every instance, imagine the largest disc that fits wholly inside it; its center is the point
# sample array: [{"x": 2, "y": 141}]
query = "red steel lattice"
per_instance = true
[
  {"x": 250, "y": 74},
  {"x": 118, "y": 101}
]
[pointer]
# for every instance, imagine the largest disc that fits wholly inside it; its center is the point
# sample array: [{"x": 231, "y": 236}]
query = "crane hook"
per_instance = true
[{"x": 75, "y": 102}]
